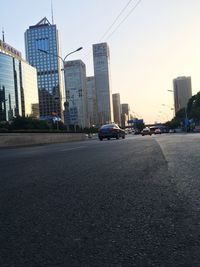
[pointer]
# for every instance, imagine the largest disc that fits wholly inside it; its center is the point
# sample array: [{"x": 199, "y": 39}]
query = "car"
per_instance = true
[
  {"x": 137, "y": 131},
  {"x": 146, "y": 131},
  {"x": 126, "y": 131},
  {"x": 129, "y": 131},
  {"x": 157, "y": 131},
  {"x": 111, "y": 131}
]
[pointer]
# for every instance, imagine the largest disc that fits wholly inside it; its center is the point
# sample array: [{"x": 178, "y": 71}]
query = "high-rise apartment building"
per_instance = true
[
  {"x": 42, "y": 52},
  {"x": 91, "y": 101},
  {"x": 117, "y": 108},
  {"x": 76, "y": 93},
  {"x": 18, "y": 85},
  {"x": 182, "y": 92},
  {"x": 101, "y": 57}
]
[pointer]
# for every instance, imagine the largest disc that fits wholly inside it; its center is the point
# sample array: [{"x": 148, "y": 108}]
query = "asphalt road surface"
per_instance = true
[{"x": 132, "y": 202}]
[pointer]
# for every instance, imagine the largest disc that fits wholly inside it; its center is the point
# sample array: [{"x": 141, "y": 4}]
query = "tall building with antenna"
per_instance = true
[
  {"x": 43, "y": 52},
  {"x": 52, "y": 19},
  {"x": 101, "y": 57}
]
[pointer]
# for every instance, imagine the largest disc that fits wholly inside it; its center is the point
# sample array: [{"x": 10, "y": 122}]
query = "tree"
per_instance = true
[
  {"x": 173, "y": 124},
  {"x": 193, "y": 107},
  {"x": 192, "y": 110},
  {"x": 139, "y": 125},
  {"x": 25, "y": 123}
]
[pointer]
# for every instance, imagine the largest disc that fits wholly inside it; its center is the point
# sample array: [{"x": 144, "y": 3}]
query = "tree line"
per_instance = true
[
  {"x": 189, "y": 116},
  {"x": 29, "y": 124}
]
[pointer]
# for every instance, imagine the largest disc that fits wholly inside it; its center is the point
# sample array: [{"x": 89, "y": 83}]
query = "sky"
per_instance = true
[{"x": 156, "y": 42}]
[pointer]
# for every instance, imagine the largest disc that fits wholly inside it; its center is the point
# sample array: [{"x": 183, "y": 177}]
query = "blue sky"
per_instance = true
[{"x": 159, "y": 41}]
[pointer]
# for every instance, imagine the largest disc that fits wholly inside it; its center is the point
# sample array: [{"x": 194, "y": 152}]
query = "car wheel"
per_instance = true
[
  {"x": 123, "y": 137},
  {"x": 117, "y": 136},
  {"x": 108, "y": 138},
  {"x": 100, "y": 138}
]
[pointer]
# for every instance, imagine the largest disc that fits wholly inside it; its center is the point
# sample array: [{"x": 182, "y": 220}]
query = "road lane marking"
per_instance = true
[{"x": 73, "y": 148}]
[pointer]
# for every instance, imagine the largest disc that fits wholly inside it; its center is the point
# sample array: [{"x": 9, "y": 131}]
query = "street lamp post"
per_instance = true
[
  {"x": 172, "y": 109},
  {"x": 62, "y": 59},
  {"x": 167, "y": 106},
  {"x": 165, "y": 114}
]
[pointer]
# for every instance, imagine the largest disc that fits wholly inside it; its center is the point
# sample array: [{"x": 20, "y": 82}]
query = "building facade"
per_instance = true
[
  {"x": 42, "y": 52},
  {"x": 116, "y": 108},
  {"x": 182, "y": 92},
  {"x": 91, "y": 101},
  {"x": 76, "y": 93},
  {"x": 30, "y": 98},
  {"x": 18, "y": 97},
  {"x": 101, "y": 58},
  {"x": 125, "y": 110}
]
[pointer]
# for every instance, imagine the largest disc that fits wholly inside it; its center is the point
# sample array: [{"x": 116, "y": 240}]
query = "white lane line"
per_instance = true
[{"x": 73, "y": 148}]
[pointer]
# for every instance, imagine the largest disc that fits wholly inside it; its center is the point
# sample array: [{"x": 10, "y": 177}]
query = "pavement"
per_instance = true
[{"x": 132, "y": 202}]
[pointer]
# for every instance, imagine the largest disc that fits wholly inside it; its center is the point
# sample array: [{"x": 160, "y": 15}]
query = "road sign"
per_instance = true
[{"x": 135, "y": 121}]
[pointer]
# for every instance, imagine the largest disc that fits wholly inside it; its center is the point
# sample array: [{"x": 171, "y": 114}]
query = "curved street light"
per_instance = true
[
  {"x": 164, "y": 105},
  {"x": 78, "y": 49},
  {"x": 63, "y": 61}
]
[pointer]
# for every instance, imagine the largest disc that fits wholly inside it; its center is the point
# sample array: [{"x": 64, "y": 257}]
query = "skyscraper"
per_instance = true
[
  {"x": 117, "y": 108},
  {"x": 30, "y": 99},
  {"x": 101, "y": 57},
  {"x": 182, "y": 92},
  {"x": 91, "y": 101},
  {"x": 124, "y": 115},
  {"x": 42, "y": 52},
  {"x": 76, "y": 93}
]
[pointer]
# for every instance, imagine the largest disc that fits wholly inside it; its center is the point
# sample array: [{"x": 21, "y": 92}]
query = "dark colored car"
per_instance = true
[
  {"x": 111, "y": 131},
  {"x": 137, "y": 131}
]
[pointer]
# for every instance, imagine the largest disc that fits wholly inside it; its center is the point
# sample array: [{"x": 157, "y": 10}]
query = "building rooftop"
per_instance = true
[{"x": 41, "y": 23}]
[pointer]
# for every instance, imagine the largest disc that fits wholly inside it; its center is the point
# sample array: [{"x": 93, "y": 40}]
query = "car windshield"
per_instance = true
[{"x": 110, "y": 126}]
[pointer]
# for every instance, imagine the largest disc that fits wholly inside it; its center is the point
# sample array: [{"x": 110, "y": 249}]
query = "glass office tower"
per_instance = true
[
  {"x": 42, "y": 52},
  {"x": 101, "y": 57},
  {"x": 91, "y": 101},
  {"x": 29, "y": 90},
  {"x": 18, "y": 89},
  {"x": 76, "y": 93},
  {"x": 10, "y": 93},
  {"x": 117, "y": 108}
]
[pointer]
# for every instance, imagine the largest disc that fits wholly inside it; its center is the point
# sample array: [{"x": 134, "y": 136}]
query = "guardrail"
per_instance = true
[{"x": 26, "y": 139}]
